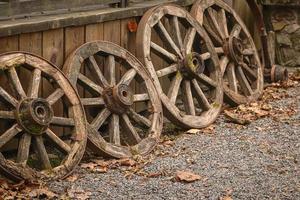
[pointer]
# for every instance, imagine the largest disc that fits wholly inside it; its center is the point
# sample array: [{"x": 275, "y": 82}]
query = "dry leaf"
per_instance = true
[
  {"x": 193, "y": 131},
  {"x": 226, "y": 198},
  {"x": 168, "y": 143},
  {"x": 127, "y": 162},
  {"x": 78, "y": 194},
  {"x": 186, "y": 176},
  {"x": 90, "y": 166},
  {"x": 235, "y": 118},
  {"x": 42, "y": 193},
  {"x": 72, "y": 178}
]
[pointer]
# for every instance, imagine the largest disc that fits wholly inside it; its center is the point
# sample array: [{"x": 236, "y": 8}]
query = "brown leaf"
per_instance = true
[
  {"x": 186, "y": 176},
  {"x": 127, "y": 162},
  {"x": 226, "y": 198},
  {"x": 154, "y": 175},
  {"x": 193, "y": 131},
  {"x": 90, "y": 166},
  {"x": 168, "y": 143},
  {"x": 42, "y": 193},
  {"x": 72, "y": 178},
  {"x": 78, "y": 194},
  {"x": 101, "y": 169},
  {"x": 235, "y": 118},
  {"x": 101, "y": 163}
]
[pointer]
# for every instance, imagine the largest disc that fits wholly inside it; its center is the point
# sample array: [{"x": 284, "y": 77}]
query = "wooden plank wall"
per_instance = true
[{"x": 55, "y": 45}]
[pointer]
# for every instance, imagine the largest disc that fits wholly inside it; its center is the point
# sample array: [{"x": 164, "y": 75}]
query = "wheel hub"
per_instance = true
[
  {"x": 234, "y": 48},
  {"x": 119, "y": 98},
  {"x": 192, "y": 65},
  {"x": 34, "y": 115}
]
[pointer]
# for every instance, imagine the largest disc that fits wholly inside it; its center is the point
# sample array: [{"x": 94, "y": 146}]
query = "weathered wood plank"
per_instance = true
[
  {"x": 53, "y": 41},
  {"x": 30, "y": 42},
  {"x": 41, "y": 23}
]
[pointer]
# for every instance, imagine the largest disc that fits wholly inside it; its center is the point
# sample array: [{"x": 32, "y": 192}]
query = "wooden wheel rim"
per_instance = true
[
  {"x": 209, "y": 114},
  {"x": 19, "y": 169},
  {"x": 96, "y": 142},
  {"x": 233, "y": 95}
]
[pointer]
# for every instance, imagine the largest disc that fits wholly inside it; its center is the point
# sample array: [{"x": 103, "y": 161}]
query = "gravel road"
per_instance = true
[{"x": 257, "y": 161}]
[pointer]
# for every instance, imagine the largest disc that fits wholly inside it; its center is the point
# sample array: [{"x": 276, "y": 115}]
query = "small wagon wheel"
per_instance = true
[
  {"x": 28, "y": 120},
  {"x": 106, "y": 74},
  {"x": 241, "y": 66},
  {"x": 190, "y": 65}
]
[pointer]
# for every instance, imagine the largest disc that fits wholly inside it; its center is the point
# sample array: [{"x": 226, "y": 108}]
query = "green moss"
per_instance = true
[{"x": 215, "y": 105}]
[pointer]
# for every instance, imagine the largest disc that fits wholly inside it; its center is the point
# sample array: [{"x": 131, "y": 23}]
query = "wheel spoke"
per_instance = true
[
  {"x": 174, "y": 88},
  {"x": 139, "y": 119},
  {"x": 42, "y": 153},
  {"x": 249, "y": 72},
  {"x": 161, "y": 52},
  {"x": 61, "y": 121},
  {"x": 230, "y": 72},
  {"x": 200, "y": 96},
  {"x": 55, "y": 96},
  {"x": 248, "y": 52},
  {"x": 212, "y": 33},
  {"x": 177, "y": 31},
  {"x": 188, "y": 98},
  {"x": 141, "y": 97},
  {"x": 9, "y": 134},
  {"x": 7, "y": 115},
  {"x": 223, "y": 63},
  {"x": 219, "y": 50},
  {"x": 128, "y": 77},
  {"x": 89, "y": 84},
  {"x": 100, "y": 119},
  {"x": 12, "y": 73},
  {"x": 8, "y": 98},
  {"x": 23, "y": 149},
  {"x": 92, "y": 101},
  {"x": 34, "y": 86},
  {"x": 236, "y": 30},
  {"x": 223, "y": 22},
  {"x": 111, "y": 70},
  {"x": 189, "y": 40},
  {"x": 206, "y": 80},
  {"x": 205, "y": 56},
  {"x": 92, "y": 64},
  {"x": 168, "y": 39},
  {"x": 114, "y": 129},
  {"x": 60, "y": 144},
  {"x": 213, "y": 20},
  {"x": 129, "y": 129},
  {"x": 247, "y": 90},
  {"x": 168, "y": 70}
]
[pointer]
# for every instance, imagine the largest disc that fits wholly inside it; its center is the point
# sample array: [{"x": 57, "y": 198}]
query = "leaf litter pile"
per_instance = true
[
  {"x": 245, "y": 114},
  {"x": 241, "y": 115}
]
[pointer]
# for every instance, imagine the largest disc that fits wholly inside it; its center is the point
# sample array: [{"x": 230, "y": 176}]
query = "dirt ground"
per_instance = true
[{"x": 257, "y": 160}]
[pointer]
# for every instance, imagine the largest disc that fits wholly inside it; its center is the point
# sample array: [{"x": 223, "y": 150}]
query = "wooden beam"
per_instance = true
[{"x": 42, "y": 23}]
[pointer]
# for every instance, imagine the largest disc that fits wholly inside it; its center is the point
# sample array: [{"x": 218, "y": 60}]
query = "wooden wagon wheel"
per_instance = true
[
  {"x": 105, "y": 75},
  {"x": 30, "y": 148},
  {"x": 190, "y": 68},
  {"x": 241, "y": 66}
]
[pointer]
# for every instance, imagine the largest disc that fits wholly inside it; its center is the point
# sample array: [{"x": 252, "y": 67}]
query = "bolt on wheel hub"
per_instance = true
[
  {"x": 192, "y": 65},
  {"x": 118, "y": 98},
  {"x": 34, "y": 115}
]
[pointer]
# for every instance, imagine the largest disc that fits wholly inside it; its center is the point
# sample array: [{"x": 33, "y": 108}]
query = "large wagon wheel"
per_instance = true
[
  {"x": 241, "y": 66},
  {"x": 105, "y": 75},
  {"x": 30, "y": 147},
  {"x": 189, "y": 65}
]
